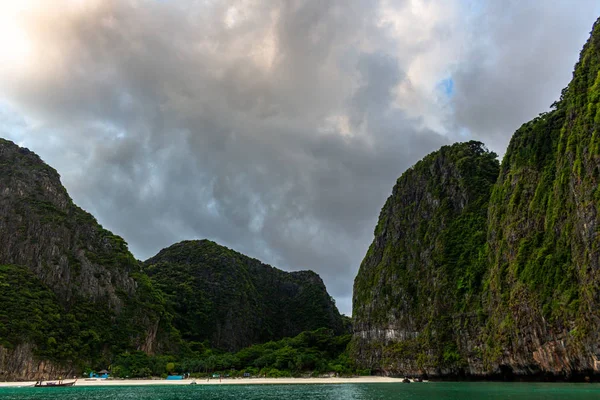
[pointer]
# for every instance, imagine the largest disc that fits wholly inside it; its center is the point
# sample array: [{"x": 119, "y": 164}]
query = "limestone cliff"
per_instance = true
[
  {"x": 422, "y": 273},
  {"x": 233, "y": 300},
  {"x": 544, "y": 277},
  {"x": 60, "y": 243},
  {"x": 522, "y": 295},
  {"x": 89, "y": 285}
]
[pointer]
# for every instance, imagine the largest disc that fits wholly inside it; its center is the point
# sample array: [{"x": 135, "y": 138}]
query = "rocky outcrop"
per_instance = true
[
  {"x": 60, "y": 243},
  {"x": 21, "y": 364},
  {"x": 100, "y": 301},
  {"x": 233, "y": 300},
  {"x": 521, "y": 296},
  {"x": 544, "y": 278},
  {"x": 417, "y": 288}
]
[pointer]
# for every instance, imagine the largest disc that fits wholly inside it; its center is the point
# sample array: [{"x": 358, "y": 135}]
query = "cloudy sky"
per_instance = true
[{"x": 276, "y": 128}]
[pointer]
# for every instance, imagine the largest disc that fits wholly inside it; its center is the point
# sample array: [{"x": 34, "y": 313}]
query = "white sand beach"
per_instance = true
[{"x": 216, "y": 381}]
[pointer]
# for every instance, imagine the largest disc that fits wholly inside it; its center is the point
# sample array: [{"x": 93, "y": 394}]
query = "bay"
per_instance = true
[{"x": 418, "y": 391}]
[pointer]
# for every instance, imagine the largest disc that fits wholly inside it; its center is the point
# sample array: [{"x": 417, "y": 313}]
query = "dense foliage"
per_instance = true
[
  {"x": 232, "y": 301},
  {"x": 28, "y": 309},
  {"x": 31, "y": 313},
  {"x": 85, "y": 334},
  {"x": 315, "y": 352}
]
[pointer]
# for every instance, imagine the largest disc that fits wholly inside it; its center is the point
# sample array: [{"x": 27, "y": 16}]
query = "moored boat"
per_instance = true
[{"x": 60, "y": 383}]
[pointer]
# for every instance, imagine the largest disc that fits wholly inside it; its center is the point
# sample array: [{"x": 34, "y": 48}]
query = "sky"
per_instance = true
[{"x": 275, "y": 128}]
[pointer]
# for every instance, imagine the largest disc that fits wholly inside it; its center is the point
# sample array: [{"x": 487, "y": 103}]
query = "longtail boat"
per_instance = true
[{"x": 54, "y": 384}]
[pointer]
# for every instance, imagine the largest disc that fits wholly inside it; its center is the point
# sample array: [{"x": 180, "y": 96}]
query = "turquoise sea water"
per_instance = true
[{"x": 379, "y": 391}]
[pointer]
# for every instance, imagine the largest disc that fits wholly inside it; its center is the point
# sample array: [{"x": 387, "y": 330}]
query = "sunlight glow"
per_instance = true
[{"x": 15, "y": 46}]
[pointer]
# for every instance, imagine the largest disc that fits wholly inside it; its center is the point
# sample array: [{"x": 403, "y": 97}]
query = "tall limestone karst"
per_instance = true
[
  {"x": 425, "y": 265},
  {"x": 71, "y": 293},
  {"x": 522, "y": 299},
  {"x": 544, "y": 277},
  {"x": 232, "y": 301}
]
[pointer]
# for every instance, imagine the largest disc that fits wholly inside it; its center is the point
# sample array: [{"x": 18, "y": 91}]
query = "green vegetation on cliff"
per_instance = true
[
  {"x": 28, "y": 308},
  {"x": 233, "y": 301},
  {"x": 30, "y": 313},
  {"x": 84, "y": 290},
  {"x": 544, "y": 230},
  {"x": 499, "y": 279},
  {"x": 85, "y": 334},
  {"x": 425, "y": 263}
]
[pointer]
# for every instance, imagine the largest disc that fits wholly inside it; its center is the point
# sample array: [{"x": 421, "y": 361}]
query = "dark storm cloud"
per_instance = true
[{"x": 270, "y": 127}]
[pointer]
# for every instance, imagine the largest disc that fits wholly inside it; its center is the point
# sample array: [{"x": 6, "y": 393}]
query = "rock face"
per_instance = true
[
  {"x": 60, "y": 243},
  {"x": 423, "y": 271},
  {"x": 521, "y": 295},
  {"x": 73, "y": 296},
  {"x": 544, "y": 275},
  {"x": 233, "y": 301},
  {"x": 90, "y": 281}
]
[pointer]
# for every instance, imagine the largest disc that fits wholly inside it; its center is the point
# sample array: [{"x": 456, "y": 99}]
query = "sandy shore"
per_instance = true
[{"x": 215, "y": 381}]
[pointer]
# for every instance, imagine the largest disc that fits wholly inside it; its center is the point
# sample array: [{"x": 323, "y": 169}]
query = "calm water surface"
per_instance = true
[{"x": 415, "y": 391}]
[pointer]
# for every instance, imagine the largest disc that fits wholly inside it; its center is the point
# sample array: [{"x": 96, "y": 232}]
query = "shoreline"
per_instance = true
[{"x": 215, "y": 381}]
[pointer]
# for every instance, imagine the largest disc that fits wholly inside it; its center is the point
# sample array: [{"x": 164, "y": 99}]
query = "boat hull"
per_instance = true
[{"x": 54, "y": 384}]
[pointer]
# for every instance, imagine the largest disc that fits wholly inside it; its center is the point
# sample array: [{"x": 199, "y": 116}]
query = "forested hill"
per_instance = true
[
  {"x": 73, "y": 297},
  {"x": 445, "y": 290},
  {"x": 233, "y": 300}
]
